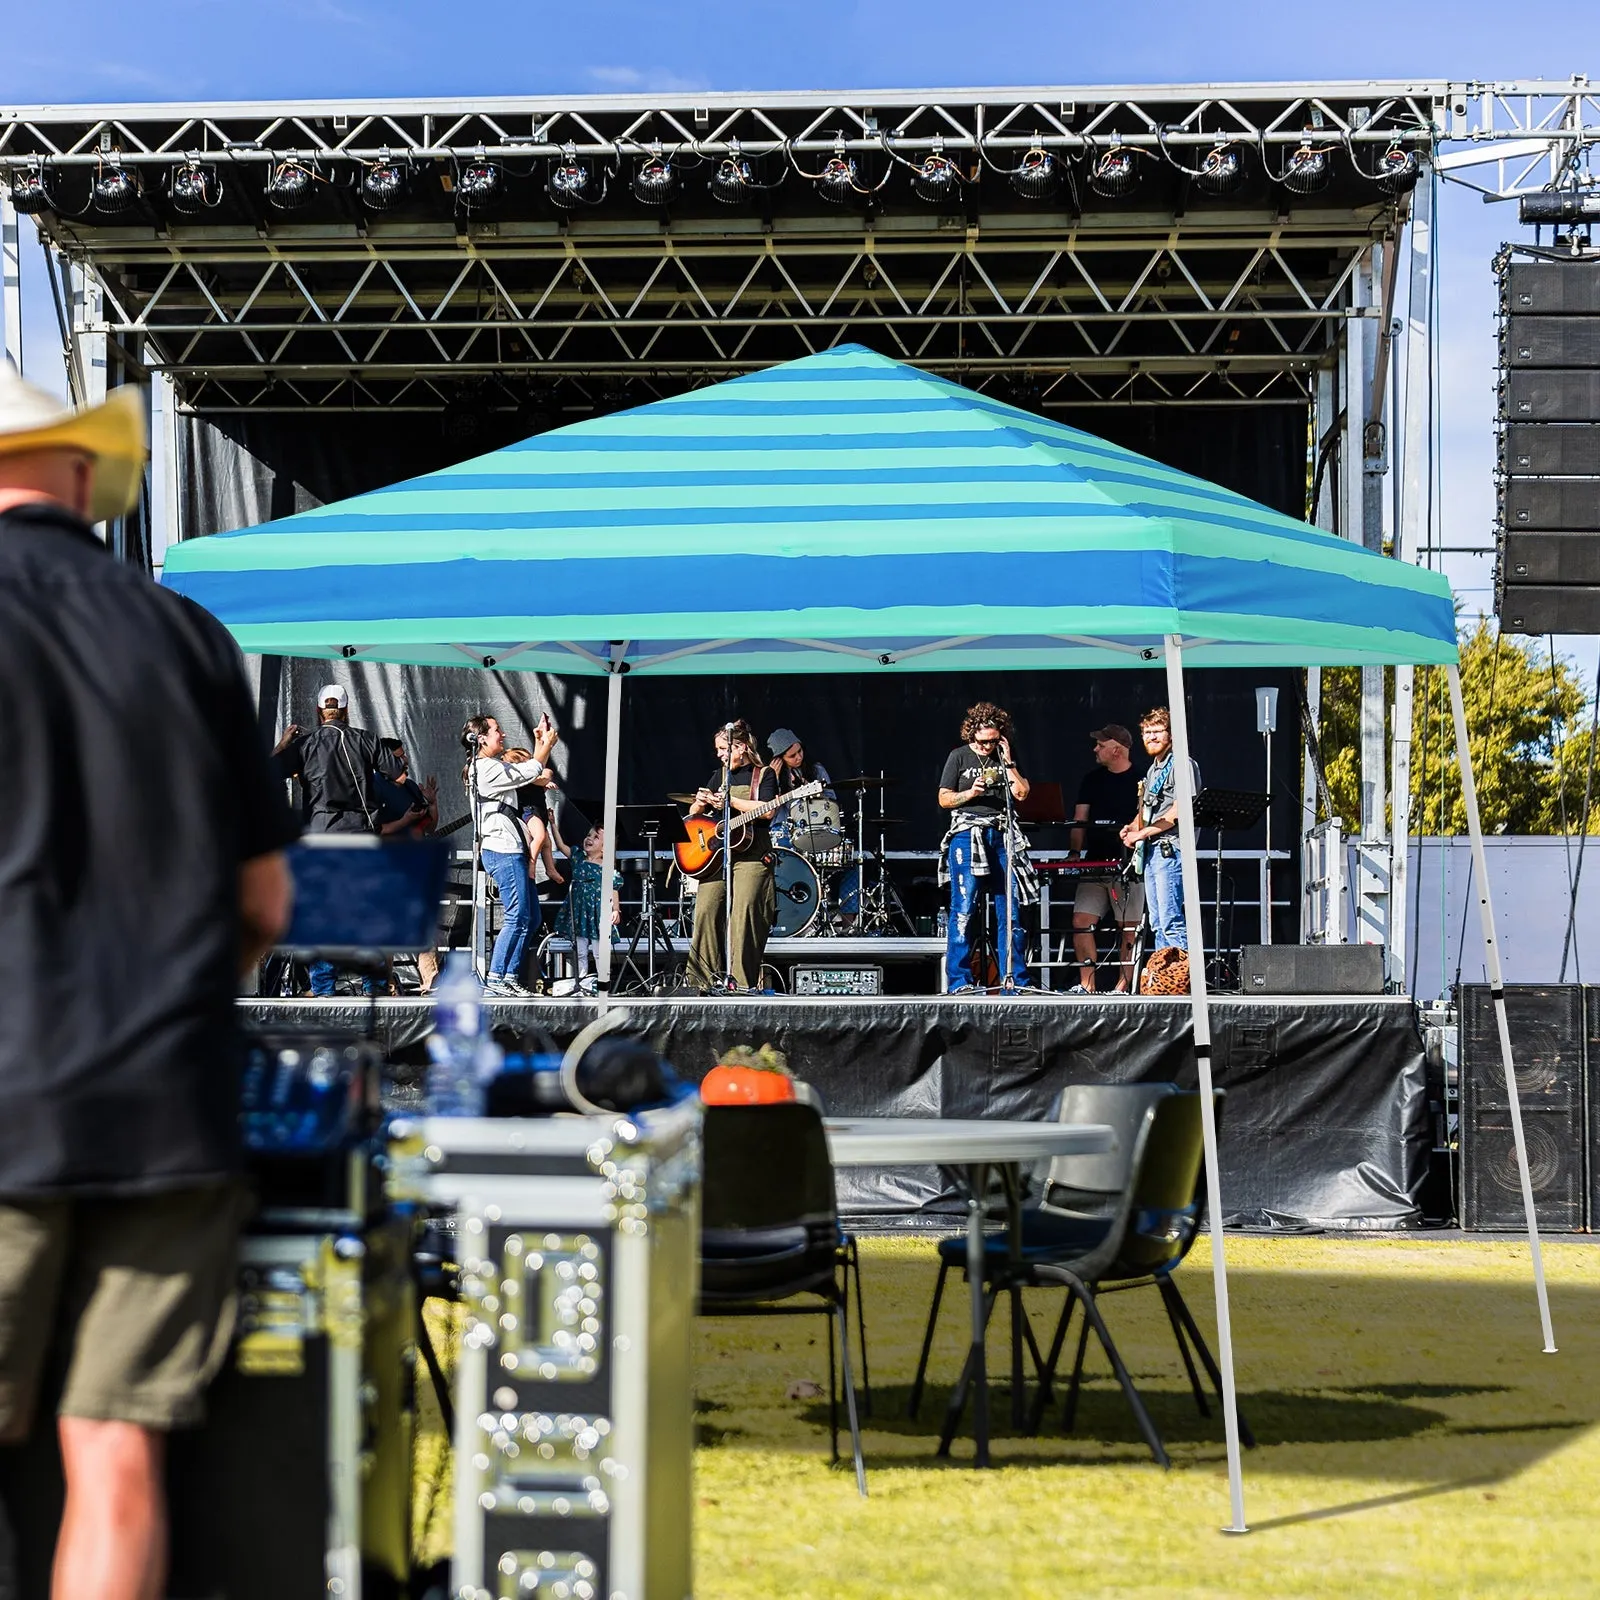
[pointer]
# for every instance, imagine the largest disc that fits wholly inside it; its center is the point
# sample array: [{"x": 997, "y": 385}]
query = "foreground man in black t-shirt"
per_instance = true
[
  {"x": 1108, "y": 795},
  {"x": 127, "y": 911}
]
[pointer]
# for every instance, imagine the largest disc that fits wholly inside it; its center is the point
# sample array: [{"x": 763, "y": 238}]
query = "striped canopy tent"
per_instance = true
[{"x": 843, "y": 513}]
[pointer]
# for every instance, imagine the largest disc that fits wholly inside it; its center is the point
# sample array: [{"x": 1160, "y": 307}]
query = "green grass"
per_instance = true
[{"x": 1414, "y": 1442}]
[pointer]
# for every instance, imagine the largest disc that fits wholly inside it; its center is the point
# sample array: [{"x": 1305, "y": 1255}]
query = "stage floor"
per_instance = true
[{"x": 1325, "y": 1124}]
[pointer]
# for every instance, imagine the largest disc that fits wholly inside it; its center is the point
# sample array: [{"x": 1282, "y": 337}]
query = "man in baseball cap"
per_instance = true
[{"x": 1108, "y": 795}]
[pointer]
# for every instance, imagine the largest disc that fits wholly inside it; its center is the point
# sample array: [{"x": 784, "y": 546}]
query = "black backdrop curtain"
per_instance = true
[{"x": 242, "y": 470}]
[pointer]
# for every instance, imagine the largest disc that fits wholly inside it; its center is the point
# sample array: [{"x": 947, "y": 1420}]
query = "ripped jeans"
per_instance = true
[{"x": 966, "y": 891}]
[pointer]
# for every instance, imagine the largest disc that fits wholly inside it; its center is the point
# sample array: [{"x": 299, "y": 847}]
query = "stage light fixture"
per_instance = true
[
  {"x": 115, "y": 188},
  {"x": 1398, "y": 169},
  {"x": 1308, "y": 169},
  {"x": 290, "y": 184},
  {"x": 1037, "y": 176},
  {"x": 654, "y": 181},
  {"x": 194, "y": 188},
  {"x": 384, "y": 183},
  {"x": 733, "y": 178},
  {"x": 1115, "y": 172},
  {"x": 1222, "y": 172},
  {"x": 937, "y": 180},
  {"x": 478, "y": 184},
  {"x": 568, "y": 183},
  {"x": 28, "y": 193},
  {"x": 838, "y": 180}
]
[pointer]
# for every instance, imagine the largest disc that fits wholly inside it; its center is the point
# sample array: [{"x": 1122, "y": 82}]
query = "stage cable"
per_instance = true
[{"x": 1569, "y": 941}]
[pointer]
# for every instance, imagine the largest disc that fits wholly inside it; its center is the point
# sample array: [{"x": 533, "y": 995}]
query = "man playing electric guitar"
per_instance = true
[{"x": 750, "y": 786}]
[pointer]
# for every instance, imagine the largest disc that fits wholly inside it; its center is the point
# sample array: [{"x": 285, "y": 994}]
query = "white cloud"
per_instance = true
[{"x": 651, "y": 80}]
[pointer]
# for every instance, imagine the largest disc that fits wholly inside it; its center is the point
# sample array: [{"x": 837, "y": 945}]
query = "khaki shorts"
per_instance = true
[
  {"x": 1123, "y": 899},
  {"x": 135, "y": 1292}
]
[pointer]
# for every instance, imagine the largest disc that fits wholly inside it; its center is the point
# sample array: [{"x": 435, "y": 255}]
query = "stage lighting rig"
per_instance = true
[
  {"x": 290, "y": 184},
  {"x": 478, "y": 184},
  {"x": 1037, "y": 176},
  {"x": 654, "y": 181},
  {"x": 194, "y": 188},
  {"x": 733, "y": 177},
  {"x": 1398, "y": 170},
  {"x": 1309, "y": 169},
  {"x": 385, "y": 183},
  {"x": 570, "y": 180},
  {"x": 838, "y": 180},
  {"x": 115, "y": 188},
  {"x": 29, "y": 196},
  {"x": 1222, "y": 172},
  {"x": 1115, "y": 172},
  {"x": 937, "y": 180}
]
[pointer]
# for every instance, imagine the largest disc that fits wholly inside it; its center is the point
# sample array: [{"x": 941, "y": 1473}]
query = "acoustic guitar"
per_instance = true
[{"x": 703, "y": 849}]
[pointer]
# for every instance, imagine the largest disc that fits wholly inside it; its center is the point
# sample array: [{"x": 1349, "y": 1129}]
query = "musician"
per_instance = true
[
  {"x": 792, "y": 768},
  {"x": 1109, "y": 791},
  {"x": 1153, "y": 833},
  {"x": 749, "y": 784},
  {"x": 983, "y": 843}
]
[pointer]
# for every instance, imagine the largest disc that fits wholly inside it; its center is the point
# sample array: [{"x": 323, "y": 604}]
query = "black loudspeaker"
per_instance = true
[
  {"x": 1547, "y": 572},
  {"x": 1548, "y": 1051},
  {"x": 1311, "y": 969}
]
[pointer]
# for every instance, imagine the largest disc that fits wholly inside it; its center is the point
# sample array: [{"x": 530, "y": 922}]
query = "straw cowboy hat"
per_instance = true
[{"x": 112, "y": 433}]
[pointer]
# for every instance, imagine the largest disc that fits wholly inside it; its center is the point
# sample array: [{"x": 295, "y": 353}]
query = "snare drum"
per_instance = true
[
  {"x": 799, "y": 893},
  {"x": 817, "y": 828}
]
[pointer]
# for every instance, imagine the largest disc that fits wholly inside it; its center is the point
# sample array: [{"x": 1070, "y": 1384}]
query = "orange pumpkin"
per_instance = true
[{"x": 734, "y": 1085}]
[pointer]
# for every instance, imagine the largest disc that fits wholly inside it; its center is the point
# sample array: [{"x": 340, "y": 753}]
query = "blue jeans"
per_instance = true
[
  {"x": 966, "y": 890},
  {"x": 1163, "y": 892},
  {"x": 322, "y": 975},
  {"x": 519, "y": 908}
]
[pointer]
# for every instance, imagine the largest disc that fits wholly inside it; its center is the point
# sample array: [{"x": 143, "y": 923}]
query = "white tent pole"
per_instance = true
[
  {"x": 1497, "y": 993},
  {"x": 608, "y": 855},
  {"x": 1199, "y": 1006}
]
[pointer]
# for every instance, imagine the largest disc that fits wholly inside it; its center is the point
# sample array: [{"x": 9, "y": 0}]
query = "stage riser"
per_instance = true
[{"x": 1325, "y": 1123}]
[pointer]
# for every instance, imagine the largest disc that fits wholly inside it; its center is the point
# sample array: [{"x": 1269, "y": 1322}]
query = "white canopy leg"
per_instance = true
[
  {"x": 1497, "y": 993},
  {"x": 608, "y": 858},
  {"x": 1200, "y": 1008}
]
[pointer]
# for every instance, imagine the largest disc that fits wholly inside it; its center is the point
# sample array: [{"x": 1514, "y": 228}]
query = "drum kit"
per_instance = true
[{"x": 829, "y": 882}]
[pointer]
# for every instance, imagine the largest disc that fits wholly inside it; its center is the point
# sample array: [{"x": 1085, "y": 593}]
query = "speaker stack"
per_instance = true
[
  {"x": 1548, "y": 538},
  {"x": 1555, "y": 1049}
]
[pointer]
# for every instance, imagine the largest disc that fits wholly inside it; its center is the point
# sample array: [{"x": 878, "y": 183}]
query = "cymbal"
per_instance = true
[
  {"x": 680, "y": 799},
  {"x": 865, "y": 780}
]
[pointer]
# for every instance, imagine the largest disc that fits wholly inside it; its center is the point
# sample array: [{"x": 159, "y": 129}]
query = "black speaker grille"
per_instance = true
[
  {"x": 1552, "y": 287},
  {"x": 1551, "y": 396},
  {"x": 1491, "y": 1190},
  {"x": 1533, "y": 558},
  {"x": 1551, "y": 342},
  {"x": 1570, "y": 505},
  {"x": 1561, "y": 450},
  {"x": 1550, "y": 610}
]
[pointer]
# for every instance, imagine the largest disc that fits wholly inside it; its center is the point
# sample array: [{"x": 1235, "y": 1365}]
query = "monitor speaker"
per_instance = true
[
  {"x": 1311, "y": 969},
  {"x": 1549, "y": 1033}
]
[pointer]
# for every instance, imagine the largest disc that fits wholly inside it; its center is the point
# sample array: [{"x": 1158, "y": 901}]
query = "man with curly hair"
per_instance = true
[{"x": 984, "y": 847}]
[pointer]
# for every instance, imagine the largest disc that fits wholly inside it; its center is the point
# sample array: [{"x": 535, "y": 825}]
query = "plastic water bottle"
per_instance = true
[
  {"x": 943, "y": 922},
  {"x": 460, "y": 1059}
]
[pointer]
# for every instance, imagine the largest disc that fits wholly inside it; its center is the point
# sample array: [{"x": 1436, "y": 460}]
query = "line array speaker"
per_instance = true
[
  {"x": 1547, "y": 570},
  {"x": 1549, "y": 1050}
]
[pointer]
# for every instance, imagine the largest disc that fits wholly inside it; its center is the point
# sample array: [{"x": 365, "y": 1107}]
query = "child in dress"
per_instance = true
[{"x": 579, "y": 916}]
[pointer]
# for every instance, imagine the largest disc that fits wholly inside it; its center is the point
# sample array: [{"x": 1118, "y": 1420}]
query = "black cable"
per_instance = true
[
  {"x": 1416, "y": 885},
  {"x": 1583, "y": 838},
  {"x": 1561, "y": 772}
]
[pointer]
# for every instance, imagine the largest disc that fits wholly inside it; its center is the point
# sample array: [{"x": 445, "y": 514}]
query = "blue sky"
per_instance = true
[{"x": 89, "y": 50}]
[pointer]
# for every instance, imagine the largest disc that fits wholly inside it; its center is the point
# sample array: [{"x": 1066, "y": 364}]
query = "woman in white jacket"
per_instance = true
[{"x": 492, "y": 783}]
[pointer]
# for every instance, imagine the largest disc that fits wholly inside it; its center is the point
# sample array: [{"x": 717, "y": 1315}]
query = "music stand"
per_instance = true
[
  {"x": 652, "y": 824},
  {"x": 1222, "y": 809}
]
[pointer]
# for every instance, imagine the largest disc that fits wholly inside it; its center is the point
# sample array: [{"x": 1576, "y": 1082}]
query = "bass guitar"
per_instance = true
[{"x": 703, "y": 848}]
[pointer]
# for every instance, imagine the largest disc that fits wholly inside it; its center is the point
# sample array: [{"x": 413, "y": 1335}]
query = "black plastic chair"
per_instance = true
[
  {"x": 1090, "y": 1183},
  {"x": 769, "y": 1234}
]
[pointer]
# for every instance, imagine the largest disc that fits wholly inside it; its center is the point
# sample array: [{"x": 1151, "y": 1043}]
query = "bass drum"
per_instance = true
[{"x": 799, "y": 894}]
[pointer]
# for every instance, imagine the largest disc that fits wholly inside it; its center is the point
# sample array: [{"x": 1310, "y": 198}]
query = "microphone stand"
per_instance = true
[
  {"x": 1008, "y": 978},
  {"x": 480, "y": 898},
  {"x": 728, "y": 983}
]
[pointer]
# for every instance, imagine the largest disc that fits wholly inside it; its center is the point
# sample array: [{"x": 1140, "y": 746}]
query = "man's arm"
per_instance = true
[
  {"x": 1080, "y": 813},
  {"x": 266, "y": 897}
]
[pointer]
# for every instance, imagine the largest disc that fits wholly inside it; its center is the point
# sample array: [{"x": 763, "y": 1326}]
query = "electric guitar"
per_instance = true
[{"x": 704, "y": 846}]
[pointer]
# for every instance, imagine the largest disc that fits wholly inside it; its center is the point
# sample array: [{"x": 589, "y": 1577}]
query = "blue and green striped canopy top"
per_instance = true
[{"x": 840, "y": 513}]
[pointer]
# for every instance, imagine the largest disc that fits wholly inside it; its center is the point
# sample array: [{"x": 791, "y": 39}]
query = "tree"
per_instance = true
[{"x": 1530, "y": 725}]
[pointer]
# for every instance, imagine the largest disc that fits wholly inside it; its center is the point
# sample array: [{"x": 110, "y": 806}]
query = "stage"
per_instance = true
[{"x": 1325, "y": 1123}]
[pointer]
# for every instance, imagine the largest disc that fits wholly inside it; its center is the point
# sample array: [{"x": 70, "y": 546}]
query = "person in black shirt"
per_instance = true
[
  {"x": 981, "y": 846},
  {"x": 750, "y": 783},
  {"x": 127, "y": 912},
  {"x": 1109, "y": 793},
  {"x": 338, "y": 767}
]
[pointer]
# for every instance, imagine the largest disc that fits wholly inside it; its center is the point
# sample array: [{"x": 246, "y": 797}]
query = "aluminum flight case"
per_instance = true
[{"x": 577, "y": 1240}]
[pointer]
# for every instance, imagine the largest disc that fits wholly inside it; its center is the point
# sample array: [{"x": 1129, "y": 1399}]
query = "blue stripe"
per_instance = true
[{"x": 1194, "y": 585}]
